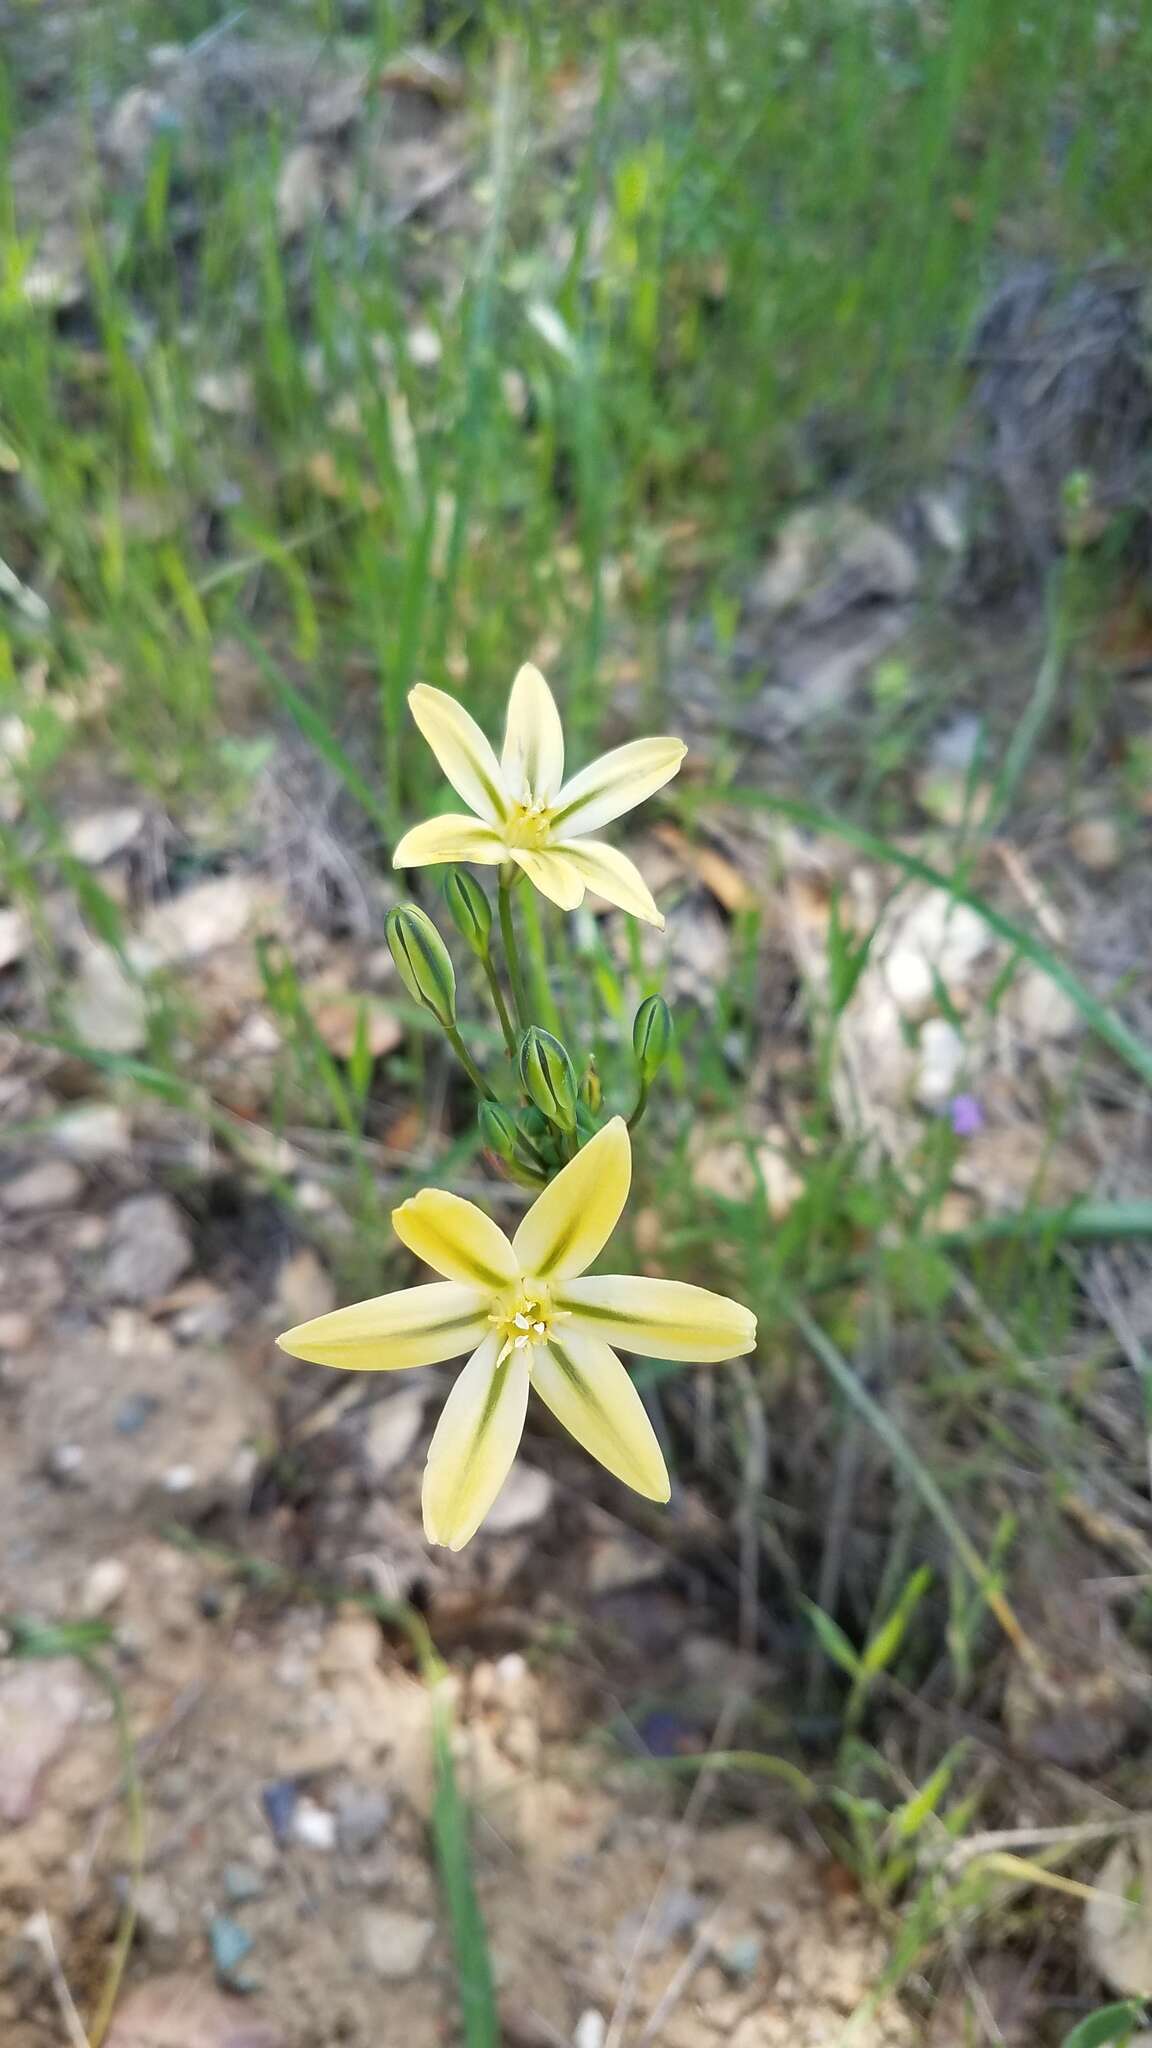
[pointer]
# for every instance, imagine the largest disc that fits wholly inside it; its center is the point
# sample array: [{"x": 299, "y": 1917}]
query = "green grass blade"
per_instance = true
[
  {"x": 452, "y": 1835},
  {"x": 316, "y": 729}
]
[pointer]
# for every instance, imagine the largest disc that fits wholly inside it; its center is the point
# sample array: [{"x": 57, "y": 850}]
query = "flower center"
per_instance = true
[
  {"x": 523, "y": 1320},
  {"x": 529, "y": 824}
]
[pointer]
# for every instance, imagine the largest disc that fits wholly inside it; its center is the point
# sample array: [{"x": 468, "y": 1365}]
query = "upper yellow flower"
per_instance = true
[
  {"x": 525, "y": 811},
  {"x": 531, "y": 1321}
]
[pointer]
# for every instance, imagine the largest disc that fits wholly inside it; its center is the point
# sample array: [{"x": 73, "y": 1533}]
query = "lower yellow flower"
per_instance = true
[{"x": 529, "y": 1318}]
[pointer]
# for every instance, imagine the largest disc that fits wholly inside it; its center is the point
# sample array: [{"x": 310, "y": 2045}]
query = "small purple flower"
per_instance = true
[{"x": 966, "y": 1115}]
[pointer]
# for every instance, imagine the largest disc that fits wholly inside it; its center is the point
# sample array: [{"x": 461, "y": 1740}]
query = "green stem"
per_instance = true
[
  {"x": 467, "y": 1062},
  {"x": 545, "y": 1000},
  {"x": 489, "y": 966},
  {"x": 511, "y": 949},
  {"x": 641, "y": 1104}
]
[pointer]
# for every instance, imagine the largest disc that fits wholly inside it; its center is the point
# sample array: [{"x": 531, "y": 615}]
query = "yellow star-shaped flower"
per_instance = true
[
  {"x": 529, "y": 1318},
  {"x": 524, "y": 810}
]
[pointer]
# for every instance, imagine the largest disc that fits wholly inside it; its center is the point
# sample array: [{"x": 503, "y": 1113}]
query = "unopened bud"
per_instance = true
[
  {"x": 422, "y": 959},
  {"x": 651, "y": 1036},
  {"x": 498, "y": 1129},
  {"x": 469, "y": 909},
  {"x": 591, "y": 1092},
  {"x": 549, "y": 1077}
]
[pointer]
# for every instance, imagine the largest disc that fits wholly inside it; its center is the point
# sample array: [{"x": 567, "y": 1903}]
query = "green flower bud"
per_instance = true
[
  {"x": 498, "y": 1129},
  {"x": 549, "y": 1077},
  {"x": 422, "y": 959},
  {"x": 591, "y": 1092},
  {"x": 469, "y": 909},
  {"x": 651, "y": 1036}
]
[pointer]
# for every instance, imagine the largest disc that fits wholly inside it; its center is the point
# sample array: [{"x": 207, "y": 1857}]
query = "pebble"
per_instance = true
[
  {"x": 150, "y": 1249},
  {"x": 52, "y": 1184},
  {"x": 103, "y": 834},
  {"x": 524, "y": 1498},
  {"x": 65, "y": 1461},
  {"x": 362, "y": 1816},
  {"x": 590, "y": 2030},
  {"x": 391, "y": 1429},
  {"x": 394, "y": 1944},
  {"x": 132, "y": 1414},
  {"x": 313, "y": 1826},
  {"x": 279, "y": 1800},
  {"x": 230, "y": 1943},
  {"x": 1097, "y": 844},
  {"x": 16, "y": 1330},
  {"x": 103, "y": 1586},
  {"x": 242, "y": 1883},
  {"x": 94, "y": 1130}
]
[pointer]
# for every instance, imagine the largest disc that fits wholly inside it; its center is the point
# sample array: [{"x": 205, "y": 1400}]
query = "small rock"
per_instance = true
[
  {"x": 678, "y": 1912},
  {"x": 103, "y": 834},
  {"x": 391, "y": 1428},
  {"x": 242, "y": 1884},
  {"x": 394, "y": 1944},
  {"x": 15, "y": 933},
  {"x": 524, "y": 1498},
  {"x": 1096, "y": 843},
  {"x": 230, "y": 1944},
  {"x": 93, "y": 1130},
  {"x": 103, "y": 1586},
  {"x": 1040, "y": 1012},
  {"x": 618, "y": 1562},
  {"x": 199, "y": 920},
  {"x": 313, "y": 1826},
  {"x": 157, "y": 1913},
  {"x": 134, "y": 1411},
  {"x": 41, "y": 1703},
  {"x": 179, "y": 1479},
  {"x": 590, "y": 2031},
  {"x": 132, "y": 128},
  {"x": 363, "y": 1813},
  {"x": 179, "y": 2011},
  {"x": 739, "y": 1955},
  {"x": 279, "y": 1800},
  {"x": 828, "y": 557},
  {"x": 107, "y": 1009},
  {"x": 303, "y": 1289},
  {"x": 16, "y": 1330},
  {"x": 150, "y": 1249},
  {"x": 65, "y": 1461},
  {"x": 942, "y": 1058},
  {"x": 52, "y": 1184},
  {"x": 425, "y": 347}
]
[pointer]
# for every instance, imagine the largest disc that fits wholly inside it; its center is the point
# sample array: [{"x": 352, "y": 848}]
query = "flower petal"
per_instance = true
[
  {"x": 416, "y": 1326},
  {"x": 457, "y": 1239},
  {"x": 612, "y": 875},
  {"x": 588, "y": 1390},
  {"x": 554, "y": 876},
  {"x": 615, "y": 783},
  {"x": 576, "y": 1214},
  {"x": 474, "y": 1444},
  {"x": 461, "y": 749},
  {"x": 452, "y": 837},
  {"x": 661, "y": 1318},
  {"x": 532, "y": 762}
]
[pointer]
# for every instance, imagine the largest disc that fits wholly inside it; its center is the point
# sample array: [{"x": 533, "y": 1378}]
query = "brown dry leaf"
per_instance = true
[
  {"x": 181, "y": 2012},
  {"x": 337, "y": 1019},
  {"x": 714, "y": 869}
]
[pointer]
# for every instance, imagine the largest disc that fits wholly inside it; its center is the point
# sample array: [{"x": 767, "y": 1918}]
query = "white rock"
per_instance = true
[
  {"x": 391, "y": 1429},
  {"x": 395, "y": 1944},
  {"x": 524, "y": 1498},
  {"x": 425, "y": 347},
  {"x": 590, "y": 2031},
  {"x": 15, "y": 934},
  {"x": 94, "y": 1130},
  {"x": 103, "y": 834},
  {"x": 1040, "y": 1011},
  {"x": 103, "y": 1586},
  {"x": 52, "y": 1184},
  {"x": 313, "y": 1826},
  {"x": 195, "y": 923},
  {"x": 16, "y": 1330},
  {"x": 942, "y": 1057},
  {"x": 107, "y": 1009},
  {"x": 936, "y": 937}
]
